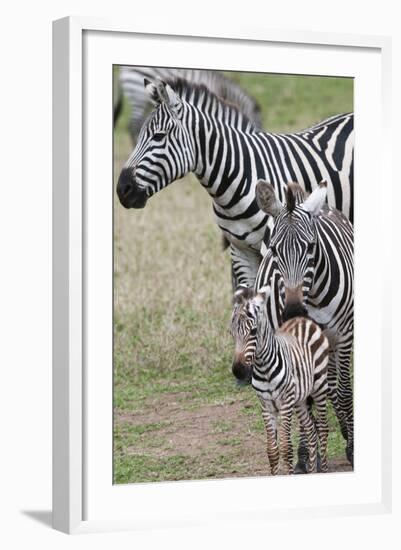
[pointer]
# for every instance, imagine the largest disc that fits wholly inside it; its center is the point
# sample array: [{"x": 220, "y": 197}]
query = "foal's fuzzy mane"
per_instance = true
[{"x": 198, "y": 94}]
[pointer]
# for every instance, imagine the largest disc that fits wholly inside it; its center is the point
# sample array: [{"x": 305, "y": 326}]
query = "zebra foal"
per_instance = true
[{"x": 286, "y": 367}]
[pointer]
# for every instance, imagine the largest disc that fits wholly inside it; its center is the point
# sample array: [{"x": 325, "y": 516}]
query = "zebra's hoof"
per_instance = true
[
  {"x": 349, "y": 451},
  {"x": 301, "y": 468}
]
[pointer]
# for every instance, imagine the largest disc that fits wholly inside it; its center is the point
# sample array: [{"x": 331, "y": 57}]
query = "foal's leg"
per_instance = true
[
  {"x": 271, "y": 436},
  {"x": 286, "y": 450},
  {"x": 307, "y": 422},
  {"x": 303, "y": 454}
]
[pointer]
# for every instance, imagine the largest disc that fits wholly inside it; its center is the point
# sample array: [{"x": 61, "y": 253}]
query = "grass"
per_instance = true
[{"x": 178, "y": 413}]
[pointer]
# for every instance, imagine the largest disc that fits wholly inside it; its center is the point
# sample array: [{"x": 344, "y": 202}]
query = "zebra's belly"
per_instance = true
[
  {"x": 275, "y": 398},
  {"x": 253, "y": 240}
]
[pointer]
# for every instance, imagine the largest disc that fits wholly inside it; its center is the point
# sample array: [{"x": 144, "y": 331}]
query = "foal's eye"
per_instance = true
[{"x": 159, "y": 136}]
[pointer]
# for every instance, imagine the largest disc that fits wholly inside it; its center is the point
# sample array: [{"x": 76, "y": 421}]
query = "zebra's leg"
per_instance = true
[
  {"x": 284, "y": 431},
  {"x": 234, "y": 282},
  {"x": 345, "y": 393},
  {"x": 270, "y": 422},
  {"x": 307, "y": 422},
  {"x": 303, "y": 454},
  {"x": 226, "y": 244},
  {"x": 322, "y": 427},
  {"x": 245, "y": 264},
  {"x": 301, "y": 466},
  {"x": 332, "y": 375}
]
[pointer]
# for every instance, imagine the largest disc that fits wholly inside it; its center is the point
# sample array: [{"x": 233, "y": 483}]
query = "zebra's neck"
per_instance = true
[
  {"x": 328, "y": 278},
  {"x": 268, "y": 347},
  {"x": 222, "y": 162}
]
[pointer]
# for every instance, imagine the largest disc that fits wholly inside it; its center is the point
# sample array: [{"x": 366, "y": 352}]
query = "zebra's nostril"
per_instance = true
[
  {"x": 126, "y": 189},
  {"x": 125, "y": 182}
]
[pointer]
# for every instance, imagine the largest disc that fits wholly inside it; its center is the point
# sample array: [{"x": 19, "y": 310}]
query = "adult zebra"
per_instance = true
[
  {"x": 192, "y": 130},
  {"x": 132, "y": 78},
  {"x": 309, "y": 264}
]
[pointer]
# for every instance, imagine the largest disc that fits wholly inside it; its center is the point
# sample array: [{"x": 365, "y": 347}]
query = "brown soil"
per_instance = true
[{"x": 205, "y": 432}]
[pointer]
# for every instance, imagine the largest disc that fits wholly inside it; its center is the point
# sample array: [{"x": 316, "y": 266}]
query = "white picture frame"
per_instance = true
[{"x": 83, "y": 51}]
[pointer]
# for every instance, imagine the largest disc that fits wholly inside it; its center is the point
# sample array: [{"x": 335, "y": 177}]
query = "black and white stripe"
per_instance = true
[
  {"x": 192, "y": 130},
  {"x": 286, "y": 367},
  {"x": 309, "y": 263},
  {"x": 132, "y": 78}
]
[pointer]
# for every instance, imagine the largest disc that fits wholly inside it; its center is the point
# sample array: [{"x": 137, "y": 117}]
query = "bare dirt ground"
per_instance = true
[{"x": 212, "y": 431}]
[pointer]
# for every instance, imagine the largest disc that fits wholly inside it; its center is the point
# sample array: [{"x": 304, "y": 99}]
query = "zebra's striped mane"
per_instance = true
[
  {"x": 295, "y": 195},
  {"x": 200, "y": 96}
]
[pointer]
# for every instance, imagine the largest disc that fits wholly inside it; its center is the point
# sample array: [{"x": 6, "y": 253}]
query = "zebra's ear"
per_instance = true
[
  {"x": 267, "y": 199},
  {"x": 160, "y": 92},
  {"x": 314, "y": 203},
  {"x": 172, "y": 98},
  {"x": 152, "y": 91},
  {"x": 263, "y": 295}
]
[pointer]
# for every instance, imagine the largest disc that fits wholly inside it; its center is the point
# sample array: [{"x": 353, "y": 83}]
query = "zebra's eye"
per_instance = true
[
  {"x": 273, "y": 250},
  {"x": 159, "y": 136},
  {"x": 311, "y": 246}
]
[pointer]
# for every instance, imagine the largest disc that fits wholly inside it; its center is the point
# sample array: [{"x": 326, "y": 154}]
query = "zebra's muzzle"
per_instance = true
[
  {"x": 130, "y": 195},
  {"x": 242, "y": 372},
  {"x": 293, "y": 305}
]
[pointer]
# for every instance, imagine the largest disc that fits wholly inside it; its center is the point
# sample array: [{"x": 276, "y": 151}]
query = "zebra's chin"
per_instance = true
[
  {"x": 133, "y": 200},
  {"x": 138, "y": 202}
]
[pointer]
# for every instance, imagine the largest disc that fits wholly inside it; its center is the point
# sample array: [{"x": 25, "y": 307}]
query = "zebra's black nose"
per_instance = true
[
  {"x": 242, "y": 372},
  {"x": 294, "y": 309},
  {"x": 130, "y": 195}
]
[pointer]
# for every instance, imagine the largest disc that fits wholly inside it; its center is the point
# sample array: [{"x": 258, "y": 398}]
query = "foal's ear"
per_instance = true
[
  {"x": 314, "y": 203},
  {"x": 267, "y": 199},
  {"x": 161, "y": 92},
  {"x": 241, "y": 294}
]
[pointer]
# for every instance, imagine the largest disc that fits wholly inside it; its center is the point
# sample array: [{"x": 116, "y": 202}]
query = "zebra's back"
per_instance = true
[{"x": 309, "y": 350}]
